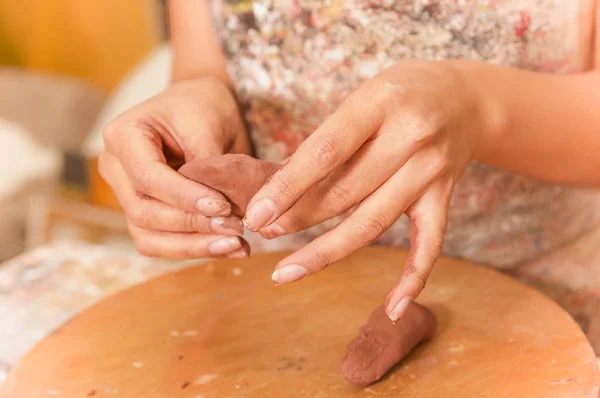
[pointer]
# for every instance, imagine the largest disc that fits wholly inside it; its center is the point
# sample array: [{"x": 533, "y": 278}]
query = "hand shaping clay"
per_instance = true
[
  {"x": 238, "y": 177},
  {"x": 381, "y": 344}
]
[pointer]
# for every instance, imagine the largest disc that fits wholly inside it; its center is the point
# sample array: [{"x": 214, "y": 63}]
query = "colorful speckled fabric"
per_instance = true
[{"x": 294, "y": 61}]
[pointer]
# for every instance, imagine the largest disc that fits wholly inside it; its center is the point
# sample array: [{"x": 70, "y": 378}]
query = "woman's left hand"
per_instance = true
[{"x": 396, "y": 145}]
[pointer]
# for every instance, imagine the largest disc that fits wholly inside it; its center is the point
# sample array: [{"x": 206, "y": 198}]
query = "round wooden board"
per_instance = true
[{"x": 223, "y": 330}]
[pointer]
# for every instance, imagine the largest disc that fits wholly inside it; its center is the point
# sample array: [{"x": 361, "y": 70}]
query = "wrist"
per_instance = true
[{"x": 489, "y": 107}]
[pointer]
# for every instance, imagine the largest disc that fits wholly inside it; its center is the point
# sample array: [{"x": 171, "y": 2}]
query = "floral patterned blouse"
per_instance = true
[{"x": 294, "y": 61}]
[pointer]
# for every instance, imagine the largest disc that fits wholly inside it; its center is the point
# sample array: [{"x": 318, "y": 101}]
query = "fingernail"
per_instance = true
[
  {"x": 272, "y": 231},
  {"x": 213, "y": 207},
  {"x": 224, "y": 245},
  {"x": 242, "y": 253},
  {"x": 259, "y": 214},
  {"x": 400, "y": 308},
  {"x": 221, "y": 225},
  {"x": 288, "y": 273}
]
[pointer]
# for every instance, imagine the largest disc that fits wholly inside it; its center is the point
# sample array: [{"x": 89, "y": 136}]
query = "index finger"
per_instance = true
[
  {"x": 148, "y": 172},
  {"x": 331, "y": 145}
]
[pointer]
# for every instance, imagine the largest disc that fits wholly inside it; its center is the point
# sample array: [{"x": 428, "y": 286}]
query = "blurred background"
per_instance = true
[{"x": 67, "y": 68}]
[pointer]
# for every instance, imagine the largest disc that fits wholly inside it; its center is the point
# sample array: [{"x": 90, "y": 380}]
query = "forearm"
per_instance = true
[
  {"x": 196, "y": 48},
  {"x": 541, "y": 125},
  {"x": 197, "y": 54}
]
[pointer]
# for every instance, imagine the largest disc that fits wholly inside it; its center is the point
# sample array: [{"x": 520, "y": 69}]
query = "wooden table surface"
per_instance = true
[
  {"x": 43, "y": 288},
  {"x": 222, "y": 330}
]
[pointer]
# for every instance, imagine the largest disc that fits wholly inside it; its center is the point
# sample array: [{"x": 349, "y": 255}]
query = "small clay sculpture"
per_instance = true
[
  {"x": 381, "y": 344},
  {"x": 238, "y": 177}
]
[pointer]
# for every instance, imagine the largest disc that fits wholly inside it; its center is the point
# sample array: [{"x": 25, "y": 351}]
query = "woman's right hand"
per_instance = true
[{"x": 167, "y": 214}]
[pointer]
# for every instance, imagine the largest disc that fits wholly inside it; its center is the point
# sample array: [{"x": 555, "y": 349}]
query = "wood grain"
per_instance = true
[{"x": 223, "y": 330}]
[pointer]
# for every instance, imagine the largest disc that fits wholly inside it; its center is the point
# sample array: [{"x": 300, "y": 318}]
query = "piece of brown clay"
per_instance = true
[
  {"x": 381, "y": 344},
  {"x": 238, "y": 177}
]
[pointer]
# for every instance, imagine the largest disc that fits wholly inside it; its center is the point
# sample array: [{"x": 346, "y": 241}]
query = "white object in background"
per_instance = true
[
  {"x": 147, "y": 79},
  {"x": 22, "y": 159}
]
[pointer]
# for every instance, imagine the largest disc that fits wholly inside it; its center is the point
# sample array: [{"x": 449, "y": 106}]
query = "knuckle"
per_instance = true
[
  {"x": 421, "y": 278},
  {"x": 182, "y": 199},
  {"x": 188, "y": 251},
  {"x": 321, "y": 259},
  {"x": 415, "y": 274},
  {"x": 191, "y": 222},
  {"x": 327, "y": 150},
  {"x": 111, "y": 131},
  {"x": 391, "y": 95},
  {"x": 140, "y": 241},
  {"x": 144, "y": 247},
  {"x": 435, "y": 245},
  {"x": 140, "y": 176},
  {"x": 135, "y": 216},
  {"x": 283, "y": 183},
  {"x": 422, "y": 130},
  {"x": 368, "y": 229},
  {"x": 142, "y": 215},
  {"x": 337, "y": 199},
  {"x": 439, "y": 163}
]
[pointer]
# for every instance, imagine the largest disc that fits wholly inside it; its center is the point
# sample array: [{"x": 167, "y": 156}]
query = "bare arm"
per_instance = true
[
  {"x": 196, "y": 48},
  {"x": 197, "y": 53},
  {"x": 546, "y": 126}
]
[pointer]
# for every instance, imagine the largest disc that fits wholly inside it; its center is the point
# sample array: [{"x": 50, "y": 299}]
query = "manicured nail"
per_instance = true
[
  {"x": 400, "y": 308},
  {"x": 224, "y": 245},
  {"x": 213, "y": 207},
  {"x": 259, "y": 214},
  {"x": 222, "y": 225},
  {"x": 272, "y": 231},
  {"x": 288, "y": 273},
  {"x": 242, "y": 253}
]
